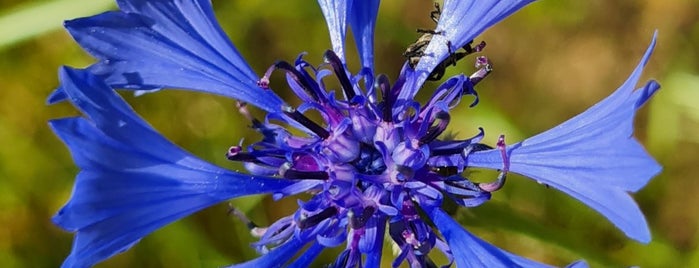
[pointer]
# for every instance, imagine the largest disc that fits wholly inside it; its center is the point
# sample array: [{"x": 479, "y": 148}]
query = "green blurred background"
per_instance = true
[{"x": 552, "y": 60}]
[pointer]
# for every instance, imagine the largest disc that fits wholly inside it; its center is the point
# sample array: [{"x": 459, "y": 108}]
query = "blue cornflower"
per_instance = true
[{"x": 375, "y": 163}]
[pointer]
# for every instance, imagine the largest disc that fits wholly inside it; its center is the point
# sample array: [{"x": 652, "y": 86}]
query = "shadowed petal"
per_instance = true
[
  {"x": 167, "y": 44},
  {"x": 335, "y": 13},
  {"x": 132, "y": 181},
  {"x": 470, "y": 251},
  {"x": 593, "y": 156},
  {"x": 461, "y": 21},
  {"x": 363, "y": 21}
]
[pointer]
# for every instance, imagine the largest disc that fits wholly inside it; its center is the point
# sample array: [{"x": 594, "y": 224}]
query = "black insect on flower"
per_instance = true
[{"x": 416, "y": 51}]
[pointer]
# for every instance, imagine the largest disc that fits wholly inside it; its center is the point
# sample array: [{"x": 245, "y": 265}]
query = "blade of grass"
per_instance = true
[{"x": 32, "y": 19}]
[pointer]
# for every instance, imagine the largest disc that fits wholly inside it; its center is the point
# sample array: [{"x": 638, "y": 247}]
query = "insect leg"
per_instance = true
[
  {"x": 436, "y": 13},
  {"x": 426, "y": 31}
]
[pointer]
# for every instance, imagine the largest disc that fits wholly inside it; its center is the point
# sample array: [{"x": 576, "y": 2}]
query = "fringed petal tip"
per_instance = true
[
  {"x": 56, "y": 96},
  {"x": 593, "y": 156},
  {"x": 168, "y": 44},
  {"x": 110, "y": 210},
  {"x": 646, "y": 93},
  {"x": 131, "y": 181}
]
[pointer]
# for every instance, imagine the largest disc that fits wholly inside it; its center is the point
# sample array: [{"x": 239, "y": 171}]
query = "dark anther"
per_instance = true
[
  {"x": 395, "y": 230},
  {"x": 480, "y": 147},
  {"x": 308, "y": 87},
  {"x": 235, "y": 153},
  {"x": 317, "y": 218},
  {"x": 460, "y": 147},
  {"x": 306, "y": 122},
  {"x": 305, "y": 175},
  {"x": 434, "y": 131},
  {"x": 358, "y": 222},
  {"x": 385, "y": 86},
  {"x": 336, "y": 63},
  {"x": 445, "y": 171}
]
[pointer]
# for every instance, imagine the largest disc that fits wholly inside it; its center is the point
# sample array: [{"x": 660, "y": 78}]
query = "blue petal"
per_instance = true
[
  {"x": 593, "y": 156},
  {"x": 167, "y": 44},
  {"x": 470, "y": 251},
  {"x": 461, "y": 21},
  {"x": 363, "y": 21},
  {"x": 132, "y": 181},
  {"x": 335, "y": 13}
]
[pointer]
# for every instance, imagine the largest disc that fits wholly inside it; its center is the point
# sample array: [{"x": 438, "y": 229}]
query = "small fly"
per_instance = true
[{"x": 415, "y": 51}]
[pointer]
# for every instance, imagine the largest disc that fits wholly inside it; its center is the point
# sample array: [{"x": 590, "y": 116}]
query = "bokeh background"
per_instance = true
[{"x": 552, "y": 60}]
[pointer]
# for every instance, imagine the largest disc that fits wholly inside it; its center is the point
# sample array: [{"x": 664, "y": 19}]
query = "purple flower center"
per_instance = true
[{"x": 372, "y": 158}]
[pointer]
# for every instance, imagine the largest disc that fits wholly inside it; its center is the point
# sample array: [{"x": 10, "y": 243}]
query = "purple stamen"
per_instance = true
[
  {"x": 500, "y": 181},
  {"x": 358, "y": 222},
  {"x": 304, "y": 175},
  {"x": 235, "y": 153},
  {"x": 308, "y": 87},
  {"x": 306, "y": 122},
  {"x": 503, "y": 152},
  {"x": 264, "y": 80},
  {"x": 317, "y": 218},
  {"x": 485, "y": 66},
  {"x": 479, "y": 47},
  {"x": 434, "y": 131}
]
